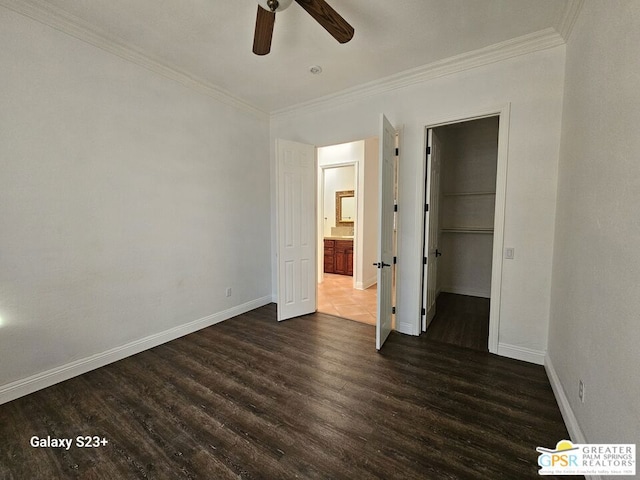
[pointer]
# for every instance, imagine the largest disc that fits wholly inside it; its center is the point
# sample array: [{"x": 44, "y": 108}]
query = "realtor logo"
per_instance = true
[
  {"x": 587, "y": 459},
  {"x": 564, "y": 455}
]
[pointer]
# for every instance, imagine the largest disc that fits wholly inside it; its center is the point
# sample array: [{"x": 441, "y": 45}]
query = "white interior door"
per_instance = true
[
  {"x": 296, "y": 219},
  {"x": 385, "y": 230},
  {"x": 431, "y": 245}
]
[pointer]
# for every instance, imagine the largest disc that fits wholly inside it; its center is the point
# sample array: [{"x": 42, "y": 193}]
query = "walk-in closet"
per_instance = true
[{"x": 464, "y": 241}]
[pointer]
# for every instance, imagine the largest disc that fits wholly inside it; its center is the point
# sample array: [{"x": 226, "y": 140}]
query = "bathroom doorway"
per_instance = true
[{"x": 347, "y": 230}]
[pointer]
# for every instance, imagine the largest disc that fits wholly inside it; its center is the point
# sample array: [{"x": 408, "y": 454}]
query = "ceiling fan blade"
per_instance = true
[
  {"x": 329, "y": 19},
  {"x": 264, "y": 31}
]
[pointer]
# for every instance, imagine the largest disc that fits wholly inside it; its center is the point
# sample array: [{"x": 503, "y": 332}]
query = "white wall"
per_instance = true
[
  {"x": 465, "y": 265},
  {"x": 595, "y": 330},
  {"x": 532, "y": 84},
  {"x": 469, "y": 157},
  {"x": 128, "y": 203}
]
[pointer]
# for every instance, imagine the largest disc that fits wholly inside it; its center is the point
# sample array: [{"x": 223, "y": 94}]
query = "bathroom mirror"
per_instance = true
[{"x": 345, "y": 208}]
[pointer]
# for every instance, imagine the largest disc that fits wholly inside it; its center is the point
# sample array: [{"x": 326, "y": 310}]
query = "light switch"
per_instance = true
[{"x": 509, "y": 253}]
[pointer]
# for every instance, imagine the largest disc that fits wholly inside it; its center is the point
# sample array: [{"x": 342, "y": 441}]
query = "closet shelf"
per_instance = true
[
  {"x": 461, "y": 194},
  {"x": 467, "y": 230}
]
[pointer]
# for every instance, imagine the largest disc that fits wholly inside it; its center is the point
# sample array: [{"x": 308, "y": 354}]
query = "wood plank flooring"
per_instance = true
[
  {"x": 461, "y": 320},
  {"x": 308, "y": 398}
]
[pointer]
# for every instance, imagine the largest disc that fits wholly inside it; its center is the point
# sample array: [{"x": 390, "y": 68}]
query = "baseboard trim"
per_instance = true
[
  {"x": 465, "y": 291},
  {"x": 571, "y": 422},
  {"x": 367, "y": 283},
  {"x": 521, "y": 353},
  {"x": 20, "y": 388}
]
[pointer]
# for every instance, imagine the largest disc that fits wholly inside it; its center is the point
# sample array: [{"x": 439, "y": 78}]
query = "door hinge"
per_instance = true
[
  {"x": 424, "y": 260},
  {"x": 395, "y": 207},
  {"x": 426, "y": 207},
  {"x": 424, "y": 311},
  {"x": 393, "y": 310},
  {"x": 428, "y": 150},
  {"x": 395, "y": 260},
  {"x": 397, "y": 151}
]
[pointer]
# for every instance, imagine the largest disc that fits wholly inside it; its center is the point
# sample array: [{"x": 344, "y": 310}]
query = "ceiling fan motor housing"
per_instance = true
[{"x": 274, "y": 5}]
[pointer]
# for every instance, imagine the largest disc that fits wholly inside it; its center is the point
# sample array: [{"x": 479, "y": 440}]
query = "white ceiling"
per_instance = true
[{"x": 211, "y": 40}]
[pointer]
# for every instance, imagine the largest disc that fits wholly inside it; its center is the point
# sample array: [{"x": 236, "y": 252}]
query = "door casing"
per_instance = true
[
  {"x": 503, "y": 112},
  {"x": 321, "y": 214}
]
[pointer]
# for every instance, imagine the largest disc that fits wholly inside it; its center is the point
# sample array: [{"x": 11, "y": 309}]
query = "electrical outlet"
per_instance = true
[
  {"x": 228, "y": 292},
  {"x": 581, "y": 391},
  {"x": 509, "y": 253}
]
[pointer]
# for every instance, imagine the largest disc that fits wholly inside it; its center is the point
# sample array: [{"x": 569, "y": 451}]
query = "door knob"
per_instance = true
[{"x": 438, "y": 254}]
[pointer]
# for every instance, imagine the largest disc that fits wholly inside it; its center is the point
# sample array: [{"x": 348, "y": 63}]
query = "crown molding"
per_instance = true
[
  {"x": 56, "y": 18},
  {"x": 533, "y": 42},
  {"x": 568, "y": 20},
  {"x": 43, "y": 12}
]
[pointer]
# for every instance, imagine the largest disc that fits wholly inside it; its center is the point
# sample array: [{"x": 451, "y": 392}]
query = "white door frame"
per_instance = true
[
  {"x": 320, "y": 210},
  {"x": 503, "y": 112}
]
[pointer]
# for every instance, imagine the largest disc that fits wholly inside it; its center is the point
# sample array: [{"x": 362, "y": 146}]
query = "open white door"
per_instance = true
[
  {"x": 385, "y": 230},
  {"x": 431, "y": 252},
  {"x": 296, "y": 219}
]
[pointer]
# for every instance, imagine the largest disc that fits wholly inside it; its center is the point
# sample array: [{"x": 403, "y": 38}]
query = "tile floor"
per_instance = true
[{"x": 336, "y": 296}]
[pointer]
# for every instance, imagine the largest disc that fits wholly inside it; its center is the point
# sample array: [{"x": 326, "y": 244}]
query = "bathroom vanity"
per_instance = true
[{"x": 338, "y": 255}]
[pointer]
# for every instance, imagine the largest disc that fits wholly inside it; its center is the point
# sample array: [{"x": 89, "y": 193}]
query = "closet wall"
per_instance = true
[{"x": 467, "y": 206}]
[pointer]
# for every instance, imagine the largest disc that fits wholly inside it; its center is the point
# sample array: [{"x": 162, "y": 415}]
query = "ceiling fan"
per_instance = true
[{"x": 318, "y": 9}]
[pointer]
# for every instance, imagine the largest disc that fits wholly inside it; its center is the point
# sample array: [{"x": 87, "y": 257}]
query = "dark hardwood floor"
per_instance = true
[
  {"x": 461, "y": 320},
  {"x": 307, "y": 398}
]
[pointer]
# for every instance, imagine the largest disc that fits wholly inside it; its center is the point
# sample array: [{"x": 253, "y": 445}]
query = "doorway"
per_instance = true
[
  {"x": 459, "y": 244},
  {"x": 297, "y": 232},
  {"x": 347, "y": 229}
]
